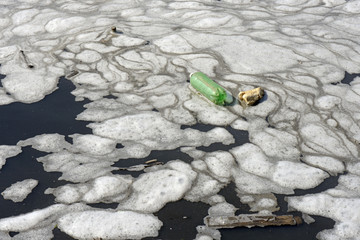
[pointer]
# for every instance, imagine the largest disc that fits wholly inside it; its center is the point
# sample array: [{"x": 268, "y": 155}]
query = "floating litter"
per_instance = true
[
  {"x": 252, "y": 96},
  {"x": 210, "y": 89},
  {"x": 251, "y": 220}
]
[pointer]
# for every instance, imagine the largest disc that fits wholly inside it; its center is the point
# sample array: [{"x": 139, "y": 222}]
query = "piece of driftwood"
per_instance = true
[
  {"x": 251, "y": 221},
  {"x": 141, "y": 167}
]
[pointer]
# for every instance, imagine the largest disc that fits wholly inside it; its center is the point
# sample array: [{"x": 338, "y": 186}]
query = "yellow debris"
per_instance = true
[{"x": 250, "y": 97}]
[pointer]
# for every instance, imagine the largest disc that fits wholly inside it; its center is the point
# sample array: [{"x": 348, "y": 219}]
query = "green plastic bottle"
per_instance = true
[{"x": 207, "y": 87}]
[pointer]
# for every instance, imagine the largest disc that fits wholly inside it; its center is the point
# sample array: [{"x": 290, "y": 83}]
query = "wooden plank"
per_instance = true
[{"x": 251, "y": 221}]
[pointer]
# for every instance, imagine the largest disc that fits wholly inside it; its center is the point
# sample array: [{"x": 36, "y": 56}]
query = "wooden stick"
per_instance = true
[{"x": 251, "y": 221}]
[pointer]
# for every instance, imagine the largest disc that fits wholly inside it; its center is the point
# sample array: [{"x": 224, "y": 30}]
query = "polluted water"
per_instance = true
[{"x": 103, "y": 136}]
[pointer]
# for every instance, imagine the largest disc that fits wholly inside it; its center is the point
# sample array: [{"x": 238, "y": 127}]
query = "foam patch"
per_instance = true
[
  {"x": 18, "y": 191},
  {"x": 153, "y": 190},
  {"x": 7, "y": 152}
]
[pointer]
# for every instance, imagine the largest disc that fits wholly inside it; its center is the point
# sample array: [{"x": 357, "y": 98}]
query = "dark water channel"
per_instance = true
[{"x": 56, "y": 114}]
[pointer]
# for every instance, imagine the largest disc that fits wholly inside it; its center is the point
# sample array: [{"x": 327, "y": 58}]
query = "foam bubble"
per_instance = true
[
  {"x": 252, "y": 184},
  {"x": 207, "y": 112},
  {"x": 7, "y": 152},
  {"x": 252, "y": 159},
  {"x": 205, "y": 233},
  {"x": 28, "y": 85},
  {"x": 220, "y": 163},
  {"x": 62, "y": 24},
  {"x": 109, "y": 225},
  {"x": 152, "y": 190},
  {"x": 88, "y": 56},
  {"x": 297, "y": 175},
  {"x": 46, "y": 142},
  {"x": 27, "y": 221},
  {"x": 76, "y": 167},
  {"x": 93, "y": 144},
  {"x": 174, "y": 44},
  {"x": 240, "y": 124},
  {"x": 327, "y": 102},
  {"x": 329, "y": 164},
  {"x": 324, "y": 141},
  {"x": 277, "y": 144},
  {"x": 154, "y": 131},
  {"x": 18, "y": 191},
  {"x": 339, "y": 209},
  {"x": 203, "y": 188},
  {"x": 126, "y": 41},
  {"x": 222, "y": 209}
]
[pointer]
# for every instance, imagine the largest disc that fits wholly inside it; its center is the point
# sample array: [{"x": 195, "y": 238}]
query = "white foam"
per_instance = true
[
  {"x": 35, "y": 234},
  {"x": 192, "y": 152},
  {"x": 266, "y": 203},
  {"x": 206, "y": 233},
  {"x": 240, "y": 124},
  {"x": 88, "y": 56},
  {"x": 277, "y": 144},
  {"x": 174, "y": 44},
  {"x": 62, "y": 24},
  {"x": 7, "y": 151},
  {"x": 152, "y": 190},
  {"x": 126, "y": 41},
  {"x": 111, "y": 188},
  {"x": 67, "y": 194},
  {"x": 154, "y": 131},
  {"x": 197, "y": 62},
  {"x": 163, "y": 101},
  {"x": 28, "y": 30},
  {"x": 180, "y": 166},
  {"x": 101, "y": 48},
  {"x": 252, "y": 159},
  {"x": 339, "y": 209},
  {"x": 323, "y": 140},
  {"x": 7, "y": 52},
  {"x": 251, "y": 52},
  {"x": 327, "y": 102},
  {"x": 222, "y": 209},
  {"x": 297, "y": 175},
  {"x": 23, "y": 16},
  {"x": 18, "y": 191},
  {"x": 207, "y": 112},
  {"x": 203, "y": 188},
  {"x": 76, "y": 167},
  {"x": 220, "y": 163},
  {"x": 253, "y": 184},
  {"x": 351, "y": 183},
  {"x": 93, "y": 144},
  {"x": 329, "y": 164},
  {"x": 46, "y": 142},
  {"x": 109, "y": 225},
  {"x": 27, "y": 221},
  {"x": 28, "y": 85}
]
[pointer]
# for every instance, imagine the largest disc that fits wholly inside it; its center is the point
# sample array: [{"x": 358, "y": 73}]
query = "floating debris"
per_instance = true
[
  {"x": 26, "y": 59},
  {"x": 72, "y": 74},
  {"x": 210, "y": 89},
  {"x": 151, "y": 161},
  {"x": 250, "y": 97},
  {"x": 250, "y": 221},
  {"x": 141, "y": 167}
]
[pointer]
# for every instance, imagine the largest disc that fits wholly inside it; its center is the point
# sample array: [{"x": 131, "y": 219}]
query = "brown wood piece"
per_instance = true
[{"x": 251, "y": 221}]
